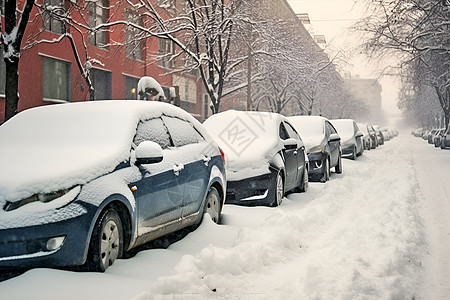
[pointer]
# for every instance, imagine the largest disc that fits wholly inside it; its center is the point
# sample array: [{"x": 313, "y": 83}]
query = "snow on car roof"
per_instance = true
[
  {"x": 249, "y": 139},
  {"x": 309, "y": 126},
  {"x": 54, "y": 147}
]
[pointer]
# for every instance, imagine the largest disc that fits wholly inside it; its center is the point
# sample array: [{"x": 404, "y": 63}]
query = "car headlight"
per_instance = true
[
  {"x": 316, "y": 149},
  {"x": 35, "y": 198}
]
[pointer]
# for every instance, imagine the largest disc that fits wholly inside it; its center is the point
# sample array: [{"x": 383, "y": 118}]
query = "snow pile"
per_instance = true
[{"x": 148, "y": 88}]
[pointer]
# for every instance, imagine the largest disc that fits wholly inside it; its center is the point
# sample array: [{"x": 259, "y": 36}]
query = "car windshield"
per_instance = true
[
  {"x": 344, "y": 128},
  {"x": 308, "y": 126}
]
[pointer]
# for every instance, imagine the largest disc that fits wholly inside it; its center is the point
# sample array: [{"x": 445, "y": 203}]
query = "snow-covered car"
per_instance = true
[
  {"x": 351, "y": 137},
  {"x": 445, "y": 139},
  {"x": 437, "y": 138},
  {"x": 431, "y": 134},
  {"x": 265, "y": 156},
  {"x": 323, "y": 145},
  {"x": 367, "y": 141},
  {"x": 82, "y": 183},
  {"x": 373, "y": 136}
]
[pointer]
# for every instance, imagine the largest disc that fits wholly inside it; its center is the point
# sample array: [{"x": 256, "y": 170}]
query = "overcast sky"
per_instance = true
[{"x": 333, "y": 18}]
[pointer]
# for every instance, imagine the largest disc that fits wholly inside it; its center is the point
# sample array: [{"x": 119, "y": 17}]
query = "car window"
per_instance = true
[
  {"x": 182, "y": 132},
  {"x": 330, "y": 128},
  {"x": 152, "y": 130},
  {"x": 291, "y": 131},
  {"x": 355, "y": 127},
  {"x": 284, "y": 135}
]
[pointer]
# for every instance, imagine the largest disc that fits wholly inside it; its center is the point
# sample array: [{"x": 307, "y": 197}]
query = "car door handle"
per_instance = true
[
  {"x": 206, "y": 159},
  {"x": 178, "y": 168}
]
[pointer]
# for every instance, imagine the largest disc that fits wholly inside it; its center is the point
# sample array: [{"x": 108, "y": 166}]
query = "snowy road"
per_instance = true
[{"x": 380, "y": 230}]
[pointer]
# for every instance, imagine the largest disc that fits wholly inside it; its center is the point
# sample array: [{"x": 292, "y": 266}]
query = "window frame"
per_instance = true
[
  {"x": 95, "y": 36},
  {"x": 49, "y": 22},
  {"x": 68, "y": 79},
  {"x": 166, "y": 50}
]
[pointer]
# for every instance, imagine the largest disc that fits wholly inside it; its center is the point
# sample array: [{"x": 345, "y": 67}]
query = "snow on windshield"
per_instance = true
[
  {"x": 249, "y": 140},
  {"x": 344, "y": 128},
  {"x": 308, "y": 126}
]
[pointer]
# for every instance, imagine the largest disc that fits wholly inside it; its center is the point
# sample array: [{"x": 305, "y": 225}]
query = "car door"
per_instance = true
[
  {"x": 194, "y": 159},
  {"x": 159, "y": 194},
  {"x": 301, "y": 153},
  {"x": 334, "y": 145},
  {"x": 291, "y": 159}
]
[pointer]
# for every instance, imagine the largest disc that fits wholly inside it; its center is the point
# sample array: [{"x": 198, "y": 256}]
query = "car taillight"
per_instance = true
[{"x": 222, "y": 154}]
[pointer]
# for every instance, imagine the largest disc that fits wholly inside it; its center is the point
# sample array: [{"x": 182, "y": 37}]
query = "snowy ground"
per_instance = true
[{"x": 380, "y": 230}]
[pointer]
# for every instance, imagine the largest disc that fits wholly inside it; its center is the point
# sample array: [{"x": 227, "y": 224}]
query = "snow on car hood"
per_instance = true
[
  {"x": 312, "y": 141},
  {"x": 345, "y": 129},
  {"x": 310, "y": 128},
  {"x": 249, "y": 140},
  {"x": 46, "y": 149}
]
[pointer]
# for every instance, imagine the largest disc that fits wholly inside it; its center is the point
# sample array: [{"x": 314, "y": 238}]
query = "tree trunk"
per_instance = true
[{"x": 11, "y": 88}]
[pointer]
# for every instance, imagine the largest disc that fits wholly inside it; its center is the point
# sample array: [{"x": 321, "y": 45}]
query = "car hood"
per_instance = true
[{"x": 312, "y": 141}]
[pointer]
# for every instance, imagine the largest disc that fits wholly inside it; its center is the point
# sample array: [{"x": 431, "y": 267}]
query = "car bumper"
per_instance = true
[
  {"x": 59, "y": 244},
  {"x": 315, "y": 171},
  {"x": 347, "y": 151},
  {"x": 253, "y": 191}
]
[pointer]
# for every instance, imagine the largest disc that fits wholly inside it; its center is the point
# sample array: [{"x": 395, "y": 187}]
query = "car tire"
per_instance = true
[
  {"x": 305, "y": 182},
  {"x": 279, "y": 190},
  {"x": 326, "y": 171},
  {"x": 338, "y": 167},
  {"x": 213, "y": 205},
  {"x": 106, "y": 243},
  {"x": 443, "y": 144},
  {"x": 353, "y": 157}
]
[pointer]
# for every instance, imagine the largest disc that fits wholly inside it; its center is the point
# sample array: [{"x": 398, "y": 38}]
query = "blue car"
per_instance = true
[{"x": 82, "y": 183}]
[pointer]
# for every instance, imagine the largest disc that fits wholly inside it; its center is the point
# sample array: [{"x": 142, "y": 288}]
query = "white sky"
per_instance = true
[{"x": 333, "y": 18}]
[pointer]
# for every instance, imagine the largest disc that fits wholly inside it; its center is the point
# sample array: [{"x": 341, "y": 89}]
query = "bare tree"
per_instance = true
[
  {"x": 418, "y": 31},
  {"x": 11, "y": 39}
]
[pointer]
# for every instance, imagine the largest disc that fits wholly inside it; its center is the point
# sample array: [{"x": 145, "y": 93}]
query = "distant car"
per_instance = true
[
  {"x": 351, "y": 137},
  {"x": 438, "y": 136},
  {"x": 445, "y": 140},
  {"x": 430, "y": 136},
  {"x": 82, "y": 183},
  {"x": 418, "y": 132},
  {"x": 265, "y": 156},
  {"x": 380, "y": 137},
  {"x": 386, "y": 133},
  {"x": 373, "y": 136},
  {"x": 323, "y": 145},
  {"x": 367, "y": 141}
]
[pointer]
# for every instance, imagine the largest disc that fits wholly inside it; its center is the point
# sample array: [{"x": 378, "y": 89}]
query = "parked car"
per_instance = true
[
  {"x": 386, "y": 133},
  {"x": 323, "y": 145},
  {"x": 380, "y": 137},
  {"x": 82, "y": 183},
  {"x": 367, "y": 141},
  {"x": 438, "y": 136},
  {"x": 430, "y": 137},
  {"x": 373, "y": 136},
  {"x": 445, "y": 140},
  {"x": 265, "y": 156},
  {"x": 418, "y": 132},
  {"x": 351, "y": 137}
]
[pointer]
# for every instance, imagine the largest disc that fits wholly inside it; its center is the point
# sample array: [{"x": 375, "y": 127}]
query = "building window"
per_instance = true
[
  {"x": 134, "y": 46},
  {"x": 101, "y": 81},
  {"x": 50, "y": 23},
  {"x": 131, "y": 84},
  {"x": 1, "y": 7},
  {"x": 56, "y": 79},
  {"x": 97, "y": 16},
  {"x": 165, "y": 53}
]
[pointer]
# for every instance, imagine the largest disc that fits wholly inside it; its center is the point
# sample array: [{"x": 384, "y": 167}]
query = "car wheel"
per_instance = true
[
  {"x": 279, "y": 190},
  {"x": 338, "y": 167},
  {"x": 106, "y": 243},
  {"x": 326, "y": 170},
  {"x": 213, "y": 205},
  {"x": 353, "y": 157},
  {"x": 443, "y": 144},
  {"x": 305, "y": 182}
]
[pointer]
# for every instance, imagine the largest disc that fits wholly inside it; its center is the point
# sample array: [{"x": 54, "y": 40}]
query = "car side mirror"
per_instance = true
[
  {"x": 148, "y": 152},
  {"x": 334, "y": 137},
  {"x": 359, "y": 134},
  {"x": 290, "y": 144}
]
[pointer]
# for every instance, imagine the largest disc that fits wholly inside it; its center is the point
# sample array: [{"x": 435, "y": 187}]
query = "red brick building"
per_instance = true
[{"x": 120, "y": 56}]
